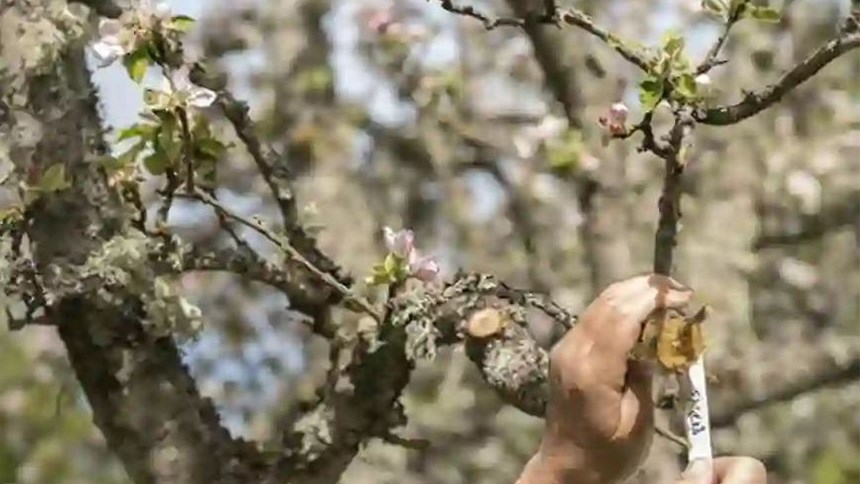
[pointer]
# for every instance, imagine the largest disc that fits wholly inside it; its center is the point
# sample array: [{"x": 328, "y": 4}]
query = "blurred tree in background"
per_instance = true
[{"x": 169, "y": 323}]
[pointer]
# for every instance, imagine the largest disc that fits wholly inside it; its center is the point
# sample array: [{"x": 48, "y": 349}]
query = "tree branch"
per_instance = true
[
  {"x": 143, "y": 398},
  {"x": 758, "y": 101},
  {"x": 816, "y": 226},
  {"x": 292, "y": 252},
  {"x": 570, "y": 16},
  {"x": 832, "y": 374}
]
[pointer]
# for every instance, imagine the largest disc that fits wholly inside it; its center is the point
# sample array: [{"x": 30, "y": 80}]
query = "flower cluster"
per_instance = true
[
  {"x": 615, "y": 121},
  {"x": 122, "y": 36},
  {"x": 403, "y": 261},
  {"x": 401, "y": 244},
  {"x": 177, "y": 90}
]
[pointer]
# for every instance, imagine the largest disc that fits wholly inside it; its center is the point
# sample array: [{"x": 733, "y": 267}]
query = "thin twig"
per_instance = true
[
  {"x": 551, "y": 16},
  {"x": 187, "y": 149},
  {"x": 586, "y": 23},
  {"x": 711, "y": 58},
  {"x": 671, "y": 437},
  {"x": 362, "y": 303}
]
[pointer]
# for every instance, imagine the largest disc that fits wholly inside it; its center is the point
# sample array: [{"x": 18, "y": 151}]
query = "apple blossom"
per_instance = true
[
  {"x": 118, "y": 37},
  {"x": 400, "y": 243},
  {"x": 703, "y": 82},
  {"x": 177, "y": 88},
  {"x": 423, "y": 267},
  {"x": 618, "y": 113},
  {"x": 615, "y": 121},
  {"x": 110, "y": 45}
]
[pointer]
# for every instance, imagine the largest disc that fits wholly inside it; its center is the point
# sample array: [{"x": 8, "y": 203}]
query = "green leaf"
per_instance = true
[
  {"x": 391, "y": 264},
  {"x": 715, "y": 7},
  {"x": 157, "y": 162},
  {"x": 138, "y": 130},
  {"x": 673, "y": 44},
  {"x": 379, "y": 276},
  {"x": 125, "y": 159},
  {"x": 210, "y": 148},
  {"x": 685, "y": 86},
  {"x": 763, "y": 14},
  {"x": 136, "y": 63},
  {"x": 206, "y": 173},
  {"x": 11, "y": 214},
  {"x": 54, "y": 179},
  {"x": 167, "y": 139},
  {"x": 181, "y": 23},
  {"x": 650, "y": 92}
]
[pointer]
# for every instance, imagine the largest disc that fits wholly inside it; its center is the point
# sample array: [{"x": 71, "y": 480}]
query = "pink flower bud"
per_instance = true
[
  {"x": 380, "y": 21},
  {"x": 615, "y": 121},
  {"x": 400, "y": 243},
  {"x": 618, "y": 113},
  {"x": 424, "y": 268}
]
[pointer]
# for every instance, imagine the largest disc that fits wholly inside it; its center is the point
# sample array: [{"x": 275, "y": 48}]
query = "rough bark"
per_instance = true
[{"x": 143, "y": 398}]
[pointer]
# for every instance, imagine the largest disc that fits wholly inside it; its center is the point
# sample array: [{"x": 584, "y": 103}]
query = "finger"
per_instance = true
[
  {"x": 640, "y": 296},
  {"x": 615, "y": 318},
  {"x": 739, "y": 470},
  {"x": 699, "y": 471},
  {"x": 725, "y": 470}
]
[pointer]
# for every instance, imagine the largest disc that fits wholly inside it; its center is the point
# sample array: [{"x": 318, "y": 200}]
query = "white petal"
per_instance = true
[
  {"x": 703, "y": 81},
  {"x": 424, "y": 268},
  {"x": 180, "y": 80},
  {"x": 618, "y": 113},
  {"x": 400, "y": 243},
  {"x": 200, "y": 97},
  {"x": 390, "y": 235},
  {"x": 163, "y": 11},
  {"x": 106, "y": 54},
  {"x": 524, "y": 145},
  {"x": 109, "y": 27},
  {"x": 166, "y": 85}
]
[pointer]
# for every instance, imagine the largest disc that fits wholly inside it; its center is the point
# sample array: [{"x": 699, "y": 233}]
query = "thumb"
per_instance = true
[
  {"x": 699, "y": 471},
  {"x": 724, "y": 470}
]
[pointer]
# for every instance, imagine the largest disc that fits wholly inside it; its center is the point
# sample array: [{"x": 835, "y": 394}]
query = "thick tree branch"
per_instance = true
[
  {"x": 669, "y": 205},
  {"x": 758, "y": 101},
  {"x": 814, "y": 227},
  {"x": 143, "y": 399},
  {"x": 831, "y": 374},
  {"x": 273, "y": 169},
  {"x": 250, "y": 267},
  {"x": 560, "y": 75}
]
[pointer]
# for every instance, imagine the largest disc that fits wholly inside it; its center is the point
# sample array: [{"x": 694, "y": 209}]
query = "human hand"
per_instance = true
[
  {"x": 726, "y": 470},
  {"x": 599, "y": 420}
]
